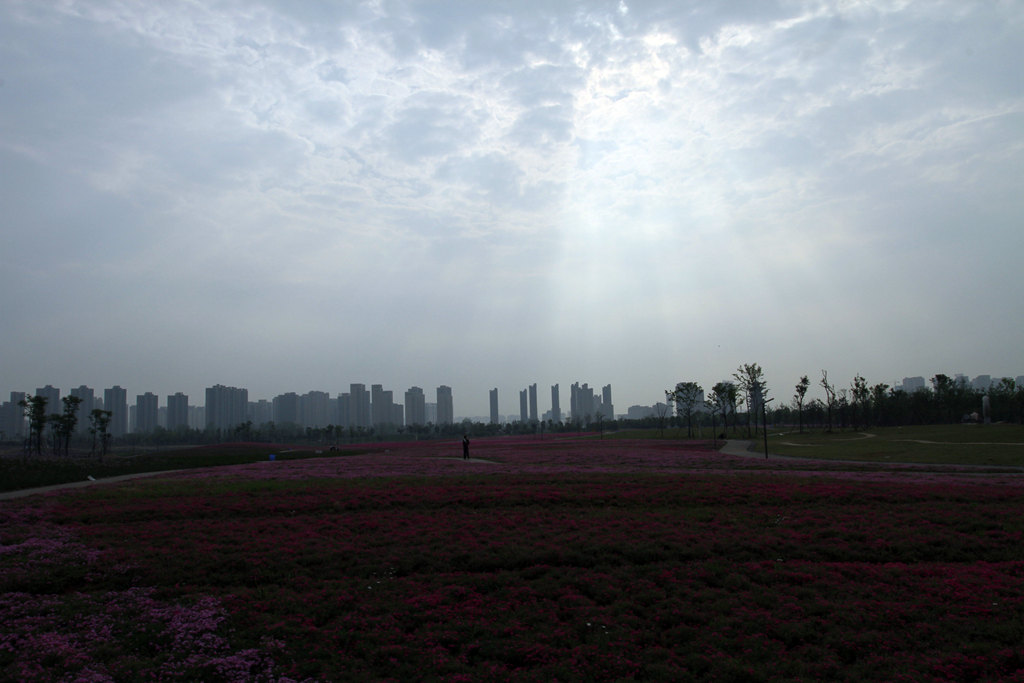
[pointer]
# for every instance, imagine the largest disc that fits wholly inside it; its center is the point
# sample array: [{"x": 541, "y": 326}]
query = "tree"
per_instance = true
[
  {"x": 66, "y": 422},
  {"x": 686, "y": 396},
  {"x": 35, "y": 411},
  {"x": 99, "y": 420},
  {"x": 861, "y": 401},
  {"x": 830, "y": 396},
  {"x": 801, "y": 393},
  {"x": 751, "y": 377},
  {"x": 724, "y": 397}
]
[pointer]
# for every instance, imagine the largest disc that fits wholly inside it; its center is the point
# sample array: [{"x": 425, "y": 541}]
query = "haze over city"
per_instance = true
[{"x": 295, "y": 196}]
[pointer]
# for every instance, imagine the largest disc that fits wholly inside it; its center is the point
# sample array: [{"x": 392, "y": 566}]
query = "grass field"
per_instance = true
[
  {"x": 994, "y": 444},
  {"x": 537, "y": 560},
  {"x": 17, "y": 472}
]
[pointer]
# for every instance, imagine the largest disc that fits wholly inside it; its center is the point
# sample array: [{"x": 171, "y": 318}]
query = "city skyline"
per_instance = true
[
  {"x": 283, "y": 195},
  {"x": 360, "y": 407}
]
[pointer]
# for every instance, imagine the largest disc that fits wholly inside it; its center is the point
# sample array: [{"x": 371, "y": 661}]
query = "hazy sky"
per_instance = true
[{"x": 291, "y": 195}]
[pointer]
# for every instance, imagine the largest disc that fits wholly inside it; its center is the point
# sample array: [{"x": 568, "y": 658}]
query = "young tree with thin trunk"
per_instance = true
[
  {"x": 35, "y": 411},
  {"x": 749, "y": 377},
  {"x": 801, "y": 393},
  {"x": 686, "y": 396},
  {"x": 99, "y": 421},
  {"x": 830, "y": 396}
]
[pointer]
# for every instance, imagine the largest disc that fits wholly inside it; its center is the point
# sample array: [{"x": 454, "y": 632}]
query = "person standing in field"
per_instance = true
[{"x": 465, "y": 446}]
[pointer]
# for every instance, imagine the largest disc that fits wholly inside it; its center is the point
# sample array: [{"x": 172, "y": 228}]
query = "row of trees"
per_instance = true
[
  {"x": 858, "y": 406},
  {"x": 62, "y": 425}
]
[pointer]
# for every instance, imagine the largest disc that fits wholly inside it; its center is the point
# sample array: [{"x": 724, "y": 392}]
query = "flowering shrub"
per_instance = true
[{"x": 567, "y": 560}]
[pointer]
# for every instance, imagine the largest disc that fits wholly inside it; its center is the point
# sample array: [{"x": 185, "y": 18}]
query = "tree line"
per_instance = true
[{"x": 857, "y": 406}]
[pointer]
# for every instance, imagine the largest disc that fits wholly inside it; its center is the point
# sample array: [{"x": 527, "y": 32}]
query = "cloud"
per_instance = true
[{"x": 498, "y": 180}]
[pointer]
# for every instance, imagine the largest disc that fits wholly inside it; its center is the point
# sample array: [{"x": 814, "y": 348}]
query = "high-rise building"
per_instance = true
[
  {"x": 556, "y": 411},
  {"x": 533, "y": 402},
  {"x": 359, "y": 406},
  {"x": 581, "y": 403},
  {"x": 315, "y": 409},
  {"x": 52, "y": 396},
  {"x": 286, "y": 409},
  {"x": 146, "y": 412},
  {"x": 345, "y": 410},
  {"x": 177, "y": 411},
  {"x": 415, "y": 407},
  {"x": 261, "y": 411},
  {"x": 381, "y": 405},
  {"x": 445, "y": 407},
  {"x": 524, "y": 413},
  {"x": 12, "y": 417},
  {"x": 606, "y": 402},
  {"x": 494, "y": 406},
  {"x": 85, "y": 407},
  {"x": 226, "y": 407},
  {"x": 115, "y": 399},
  {"x": 912, "y": 384}
]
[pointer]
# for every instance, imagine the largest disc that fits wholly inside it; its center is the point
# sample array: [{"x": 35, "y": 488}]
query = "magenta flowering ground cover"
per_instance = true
[{"x": 543, "y": 560}]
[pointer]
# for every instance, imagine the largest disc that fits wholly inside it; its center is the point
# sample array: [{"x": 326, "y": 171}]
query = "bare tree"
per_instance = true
[
  {"x": 801, "y": 393},
  {"x": 830, "y": 396}
]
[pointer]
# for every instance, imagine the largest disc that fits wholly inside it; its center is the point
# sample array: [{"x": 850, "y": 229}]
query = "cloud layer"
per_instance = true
[{"x": 288, "y": 196}]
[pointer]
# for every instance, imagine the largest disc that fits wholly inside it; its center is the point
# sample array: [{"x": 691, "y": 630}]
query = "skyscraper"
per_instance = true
[
  {"x": 606, "y": 402},
  {"x": 556, "y": 411},
  {"x": 494, "y": 406},
  {"x": 415, "y": 407},
  {"x": 445, "y": 407},
  {"x": 533, "y": 402},
  {"x": 52, "y": 396},
  {"x": 314, "y": 409},
  {"x": 226, "y": 407},
  {"x": 524, "y": 414},
  {"x": 146, "y": 411},
  {"x": 115, "y": 399},
  {"x": 177, "y": 412},
  {"x": 359, "y": 406},
  {"x": 88, "y": 397},
  {"x": 382, "y": 406},
  {"x": 286, "y": 409}
]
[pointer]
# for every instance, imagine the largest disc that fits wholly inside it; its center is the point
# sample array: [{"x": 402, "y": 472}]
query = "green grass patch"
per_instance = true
[
  {"x": 971, "y": 444},
  {"x": 16, "y": 474}
]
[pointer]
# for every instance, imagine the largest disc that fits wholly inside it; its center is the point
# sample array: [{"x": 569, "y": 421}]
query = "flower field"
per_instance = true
[{"x": 538, "y": 560}]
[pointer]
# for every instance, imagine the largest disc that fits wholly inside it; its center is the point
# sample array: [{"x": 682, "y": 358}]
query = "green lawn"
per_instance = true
[{"x": 996, "y": 444}]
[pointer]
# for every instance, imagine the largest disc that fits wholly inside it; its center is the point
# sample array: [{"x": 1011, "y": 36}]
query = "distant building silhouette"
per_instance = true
[
  {"x": 912, "y": 384},
  {"x": 533, "y": 402},
  {"x": 315, "y": 409},
  {"x": 286, "y": 408},
  {"x": 445, "y": 407},
  {"x": 177, "y": 411},
  {"x": 524, "y": 414},
  {"x": 359, "y": 406},
  {"x": 52, "y": 396},
  {"x": 115, "y": 399},
  {"x": 226, "y": 407},
  {"x": 495, "y": 419},
  {"x": 146, "y": 412},
  {"x": 608, "y": 410},
  {"x": 556, "y": 411},
  {"x": 88, "y": 397},
  {"x": 12, "y": 417},
  {"x": 415, "y": 407}
]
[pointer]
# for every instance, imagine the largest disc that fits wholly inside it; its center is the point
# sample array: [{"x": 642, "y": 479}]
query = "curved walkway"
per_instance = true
[{"x": 22, "y": 493}]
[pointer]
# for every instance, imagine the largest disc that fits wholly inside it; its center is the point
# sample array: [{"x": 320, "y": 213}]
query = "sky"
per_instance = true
[{"x": 295, "y": 196}]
